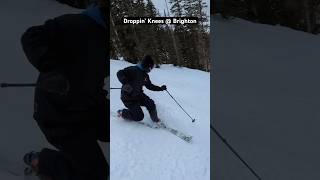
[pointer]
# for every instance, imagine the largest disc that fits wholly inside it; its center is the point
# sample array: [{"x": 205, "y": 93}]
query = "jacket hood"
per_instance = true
[{"x": 96, "y": 14}]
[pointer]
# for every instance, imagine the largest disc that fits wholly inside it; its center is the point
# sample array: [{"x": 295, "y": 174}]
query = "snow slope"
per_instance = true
[
  {"x": 139, "y": 152},
  {"x": 266, "y": 101}
]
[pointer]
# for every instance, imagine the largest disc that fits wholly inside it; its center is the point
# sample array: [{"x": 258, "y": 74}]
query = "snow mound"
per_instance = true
[{"x": 139, "y": 152}]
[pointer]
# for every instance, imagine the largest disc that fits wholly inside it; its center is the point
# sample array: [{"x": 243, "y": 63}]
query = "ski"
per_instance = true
[
  {"x": 175, "y": 132},
  {"x": 179, "y": 134}
]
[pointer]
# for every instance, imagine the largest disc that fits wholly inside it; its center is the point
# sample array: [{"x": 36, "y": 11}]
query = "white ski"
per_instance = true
[
  {"x": 175, "y": 132},
  {"x": 179, "y": 134}
]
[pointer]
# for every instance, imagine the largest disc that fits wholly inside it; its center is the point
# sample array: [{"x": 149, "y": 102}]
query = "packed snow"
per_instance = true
[
  {"x": 266, "y": 101},
  {"x": 139, "y": 152}
]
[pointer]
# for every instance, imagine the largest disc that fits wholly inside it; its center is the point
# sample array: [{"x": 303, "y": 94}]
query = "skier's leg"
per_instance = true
[
  {"x": 55, "y": 164},
  {"x": 134, "y": 111},
  {"x": 103, "y": 116},
  {"x": 77, "y": 141},
  {"x": 86, "y": 157},
  {"x": 49, "y": 165},
  {"x": 52, "y": 163},
  {"x": 151, "y": 107}
]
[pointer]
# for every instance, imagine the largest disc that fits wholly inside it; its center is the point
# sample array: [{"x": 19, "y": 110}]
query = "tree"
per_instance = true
[
  {"x": 297, "y": 14},
  {"x": 197, "y": 35},
  {"x": 181, "y": 45}
]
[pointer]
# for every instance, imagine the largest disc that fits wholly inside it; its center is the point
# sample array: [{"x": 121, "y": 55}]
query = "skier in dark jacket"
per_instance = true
[
  {"x": 70, "y": 107},
  {"x": 133, "y": 79}
]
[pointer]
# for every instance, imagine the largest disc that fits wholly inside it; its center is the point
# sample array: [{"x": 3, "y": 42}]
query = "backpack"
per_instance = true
[{"x": 40, "y": 47}]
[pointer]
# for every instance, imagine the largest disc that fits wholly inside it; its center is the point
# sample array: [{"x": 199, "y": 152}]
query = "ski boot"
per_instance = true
[
  {"x": 119, "y": 113},
  {"x": 156, "y": 120},
  {"x": 31, "y": 159},
  {"x": 154, "y": 116},
  {"x": 160, "y": 124}
]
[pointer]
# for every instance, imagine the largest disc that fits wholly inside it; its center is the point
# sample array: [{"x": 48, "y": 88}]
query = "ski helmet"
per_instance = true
[{"x": 147, "y": 63}]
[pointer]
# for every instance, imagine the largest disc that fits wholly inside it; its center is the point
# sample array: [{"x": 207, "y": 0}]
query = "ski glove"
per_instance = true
[
  {"x": 163, "y": 87},
  {"x": 127, "y": 88}
]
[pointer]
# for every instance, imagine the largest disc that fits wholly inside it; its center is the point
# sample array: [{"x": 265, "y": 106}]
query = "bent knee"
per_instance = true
[{"x": 139, "y": 117}]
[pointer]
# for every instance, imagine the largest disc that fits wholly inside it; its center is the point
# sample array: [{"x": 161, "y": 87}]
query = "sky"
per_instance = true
[{"x": 161, "y": 5}]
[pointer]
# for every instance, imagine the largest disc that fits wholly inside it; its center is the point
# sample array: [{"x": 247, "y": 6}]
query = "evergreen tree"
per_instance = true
[
  {"x": 301, "y": 15},
  {"x": 197, "y": 34},
  {"x": 182, "y": 45},
  {"x": 149, "y": 38},
  {"x": 126, "y": 33},
  {"x": 176, "y": 8}
]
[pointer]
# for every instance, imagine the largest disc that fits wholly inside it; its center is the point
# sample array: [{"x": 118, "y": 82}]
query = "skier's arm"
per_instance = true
[
  {"x": 152, "y": 87},
  {"x": 39, "y": 45}
]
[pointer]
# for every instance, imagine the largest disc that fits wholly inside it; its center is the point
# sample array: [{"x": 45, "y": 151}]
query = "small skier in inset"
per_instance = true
[{"x": 133, "y": 79}]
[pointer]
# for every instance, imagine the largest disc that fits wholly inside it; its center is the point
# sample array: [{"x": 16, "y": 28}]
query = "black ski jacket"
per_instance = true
[
  {"x": 71, "y": 55},
  {"x": 73, "y": 46},
  {"x": 136, "y": 78}
]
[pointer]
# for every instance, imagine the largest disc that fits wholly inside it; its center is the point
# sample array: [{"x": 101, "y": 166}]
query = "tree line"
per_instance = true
[
  {"x": 303, "y": 15},
  {"x": 181, "y": 45}
]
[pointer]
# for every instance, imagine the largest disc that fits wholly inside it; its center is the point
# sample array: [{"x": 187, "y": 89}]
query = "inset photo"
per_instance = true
[{"x": 160, "y": 90}]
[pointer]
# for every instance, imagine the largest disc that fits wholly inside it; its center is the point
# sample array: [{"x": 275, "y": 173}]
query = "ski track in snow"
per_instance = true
[{"x": 143, "y": 153}]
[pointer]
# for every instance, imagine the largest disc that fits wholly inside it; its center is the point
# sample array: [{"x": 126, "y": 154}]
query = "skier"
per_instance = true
[
  {"x": 133, "y": 79},
  {"x": 70, "y": 107}
]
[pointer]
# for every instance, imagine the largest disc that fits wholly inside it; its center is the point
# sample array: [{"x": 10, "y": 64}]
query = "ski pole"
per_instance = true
[
  {"x": 234, "y": 151},
  {"x": 5, "y": 85},
  {"x": 193, "y": 120}
]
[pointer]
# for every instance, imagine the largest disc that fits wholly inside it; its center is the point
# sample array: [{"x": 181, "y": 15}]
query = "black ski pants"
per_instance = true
[
  {"x": 54, "y": 165},
  {"x": 80, "y": 156},
  {"x": 78, "y": 159},
  {"x": 85, "y": 156},
  {"x": 134, "y": 111}
]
